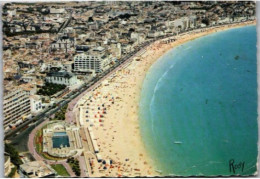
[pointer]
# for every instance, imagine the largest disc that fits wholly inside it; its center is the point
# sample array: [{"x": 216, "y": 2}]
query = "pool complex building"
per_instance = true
[{"x": 61, "y": 139}]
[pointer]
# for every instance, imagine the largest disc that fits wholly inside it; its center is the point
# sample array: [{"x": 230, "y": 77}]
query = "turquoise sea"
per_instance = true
[{"x": 198, "y": 107}]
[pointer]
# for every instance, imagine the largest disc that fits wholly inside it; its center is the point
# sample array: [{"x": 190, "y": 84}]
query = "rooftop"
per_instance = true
[
  {"x": 37, "y": 169},
  {"x": 62, "y": 74}
]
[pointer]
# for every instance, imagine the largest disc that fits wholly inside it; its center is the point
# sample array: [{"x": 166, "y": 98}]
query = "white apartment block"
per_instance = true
[
  {"x": 184, "y": 23},
  {"x": 89, "y": 63},
  {"x": 16, "y": 107}
]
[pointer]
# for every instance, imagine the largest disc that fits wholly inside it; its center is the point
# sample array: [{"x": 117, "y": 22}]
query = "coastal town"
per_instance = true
[{"x": 73, "y": 72}]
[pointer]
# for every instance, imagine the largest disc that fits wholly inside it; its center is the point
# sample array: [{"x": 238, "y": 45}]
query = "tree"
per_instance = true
[
  {"x": 131, "y": 30},
  {"x": 30, "y": 9},
  {"x": 90, "y": 19},
  {"x": 14, "y": 155},
  {"x": 124, "y": 16},
  {"x": 50, "y": 89},
  {"x": 205, "y": 21},
  {"x": 77, "y": 173}
]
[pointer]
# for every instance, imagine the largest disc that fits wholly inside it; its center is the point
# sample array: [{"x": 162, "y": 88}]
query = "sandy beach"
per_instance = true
[{"x": 117, "y": 131}]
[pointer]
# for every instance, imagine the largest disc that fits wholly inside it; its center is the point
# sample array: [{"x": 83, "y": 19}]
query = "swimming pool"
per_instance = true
[{"x": 60, "y": 139}]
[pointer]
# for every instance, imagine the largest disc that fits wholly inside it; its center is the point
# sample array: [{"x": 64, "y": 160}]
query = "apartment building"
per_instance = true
[
  {"x": 16, "y": 107},
  {"x": 95, "y": 61}
]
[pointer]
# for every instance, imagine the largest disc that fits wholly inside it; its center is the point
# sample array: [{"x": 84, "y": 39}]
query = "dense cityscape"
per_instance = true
[{"x": 53, "y": 52}]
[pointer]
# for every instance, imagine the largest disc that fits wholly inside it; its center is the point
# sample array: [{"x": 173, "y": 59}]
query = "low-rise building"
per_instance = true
[
  {"x": 57, "y": 11},
  {"x": 82, "y": 48},
  {"x": 36, "y": 169},
  {"x": 67, "y": 66},
  {"x": 36, "y": 103},
  {"x": 62, "y": 78},
  {"x": 63, "y": 43},
  {"x": 29, "y": 88}
]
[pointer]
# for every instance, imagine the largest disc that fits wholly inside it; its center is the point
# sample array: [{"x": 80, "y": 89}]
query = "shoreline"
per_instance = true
[{"x": 119, "y": 138}]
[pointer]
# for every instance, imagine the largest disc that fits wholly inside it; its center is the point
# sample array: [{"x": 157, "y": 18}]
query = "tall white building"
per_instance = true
[
  {"x": 16, "y": 107},
  {"x": 184, "y": 23},
  {"x": 95, "y": 61}
]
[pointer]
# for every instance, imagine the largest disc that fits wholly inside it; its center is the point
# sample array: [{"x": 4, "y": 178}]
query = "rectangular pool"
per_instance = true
[{"x": 60, "y": 139}]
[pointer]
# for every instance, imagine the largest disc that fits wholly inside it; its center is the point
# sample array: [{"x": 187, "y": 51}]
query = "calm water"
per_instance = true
[
  {"x": 204, "y": 95},
  {"x": 60, "y": 139}
]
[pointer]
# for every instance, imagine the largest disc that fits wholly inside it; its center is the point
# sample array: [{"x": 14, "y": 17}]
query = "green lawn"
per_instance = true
[
  {"x": 61, "y": 170},
  {"x": 50, "y": 89}
]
